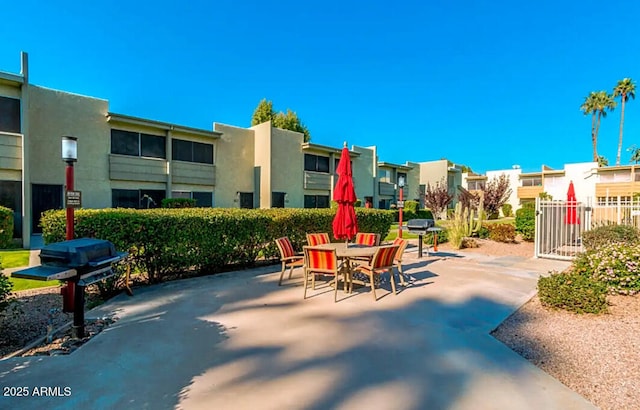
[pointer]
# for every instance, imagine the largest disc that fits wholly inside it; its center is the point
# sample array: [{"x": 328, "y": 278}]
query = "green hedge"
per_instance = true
[
  {"x": 604, "y": 235},
  {"x": 178, "y": 203},
  {"x": 526, "y": 222},
  {"x": 6, "y": 227},
  {"x": 166, "y": 242},
  {"x": 5, "y": 289}
]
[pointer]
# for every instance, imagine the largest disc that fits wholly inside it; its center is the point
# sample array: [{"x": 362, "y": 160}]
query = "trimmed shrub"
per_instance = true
[
  {"x": 6, "y": 227},
  {"x": 5, "y": 289},
  {"x": 604, "y": 235},
  {"x": 424, "y": 214},
  {"x": 442, "y": 237},
  {"x": 507, "y": 210},
  {"x": 483, "y": 232},
  {"x": 573, "y": 292},
  {"x": 616, "y": 264},
  {"x": 526, "y": 222},
  {"x": 178, "y": 203},
  {"x": 502, "y": 232}
]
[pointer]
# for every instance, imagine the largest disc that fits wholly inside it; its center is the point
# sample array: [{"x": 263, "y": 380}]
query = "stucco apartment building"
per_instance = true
[{"x": 125, "y": 161}]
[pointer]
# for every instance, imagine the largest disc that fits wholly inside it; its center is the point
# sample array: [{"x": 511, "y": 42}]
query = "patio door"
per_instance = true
[{"x": 43, "y": 198}]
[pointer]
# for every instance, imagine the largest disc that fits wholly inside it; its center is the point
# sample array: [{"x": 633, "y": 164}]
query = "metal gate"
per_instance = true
[{"x": 557, "y": 237}]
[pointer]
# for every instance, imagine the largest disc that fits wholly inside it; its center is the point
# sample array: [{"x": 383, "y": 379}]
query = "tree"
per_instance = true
[
  {"x": 624, "y": 89},
  {"x": 468, "y": 199},
  {"x": 264, "y": 112},
  {"x": 597, "y": 104},
  {"x": 437, "y": 198},
  {"x": 603, "y": 161},
  {"x": 495, "y": 194},
  {"x": 635, "y": 153}
]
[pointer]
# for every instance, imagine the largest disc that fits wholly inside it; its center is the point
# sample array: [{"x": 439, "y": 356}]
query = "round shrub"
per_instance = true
[
  {"x": 6, "y": 227},
  {"x": 526, "y": 222},
  {"x": 574, "y": 292},
  {"x": 443, "y": 237},
  {"x": 615, "y": 264},
  {"x": 507, "y": 210},
  {"x": 5, "y": 289},
  {"x": 603, "y": 235},
  {"x": 483, "y": 232},
  {"x": 502, "y": 233}
]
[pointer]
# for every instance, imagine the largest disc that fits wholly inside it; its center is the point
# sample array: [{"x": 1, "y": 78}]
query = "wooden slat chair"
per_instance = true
[
  {"x": 314, "y": 239},
  {"x": 369, "y": 239},
  {"x": 397, "y": 261},
  {"x": 288, "y": 257},
  {"x": 381, "y": 262},
  {"x": 321, "y": 261}
]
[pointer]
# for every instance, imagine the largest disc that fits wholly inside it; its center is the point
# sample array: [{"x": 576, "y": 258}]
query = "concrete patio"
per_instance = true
[{"x": 238, "y": 341}]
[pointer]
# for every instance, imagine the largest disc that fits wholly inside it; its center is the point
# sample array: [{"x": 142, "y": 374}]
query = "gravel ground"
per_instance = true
[{"x": 597, "y": 356}]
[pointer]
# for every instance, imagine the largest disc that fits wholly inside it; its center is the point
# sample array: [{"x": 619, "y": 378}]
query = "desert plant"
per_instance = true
[
  {"x": 507, "y": 210},
  {"x": 465, "y": 223},
  {"x": 574, "y": 292},
  {"x": 616, "y": 264},
  {"x": 502, "y": 232},
  {"x": 526, "y": 222},
  {"x": 606, "y": 234}
]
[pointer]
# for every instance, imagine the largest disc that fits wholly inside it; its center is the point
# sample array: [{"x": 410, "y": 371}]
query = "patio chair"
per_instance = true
[
  {"x": 397, "y": 261},
  {"x": 381, "y": 262},
  {"x": 321, "y": 261},
  {"x": 314, "y": 239},
  {"x": 369, "y": 239},
  {"x": 288, "y": 257}
]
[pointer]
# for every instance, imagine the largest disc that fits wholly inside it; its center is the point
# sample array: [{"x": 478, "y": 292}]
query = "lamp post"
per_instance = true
[
  {"x": 69, "y": 155},
  {"x": 401, "y": 207}
]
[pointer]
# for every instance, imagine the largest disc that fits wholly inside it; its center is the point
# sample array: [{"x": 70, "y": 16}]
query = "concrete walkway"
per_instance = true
[{"x": 238, "y": 341}]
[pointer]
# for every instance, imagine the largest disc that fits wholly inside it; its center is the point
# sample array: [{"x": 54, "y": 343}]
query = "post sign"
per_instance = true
[
  {"x": 73, "y": 199},
  {"x": 400, "y": 204}
]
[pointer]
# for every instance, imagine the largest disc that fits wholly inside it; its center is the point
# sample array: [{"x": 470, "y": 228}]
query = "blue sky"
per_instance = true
[{"x": 488, "y": 84}]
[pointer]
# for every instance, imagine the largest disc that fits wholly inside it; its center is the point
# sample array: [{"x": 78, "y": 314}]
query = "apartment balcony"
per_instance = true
[
  {"x": 611, "y": 189},
  {"x": 529, "y": 192},
  {"x": 317, "y": 180},
  {"x": 193, "y": 173},
  {"x": 10, "y": 151},
  {"x": 128, "y": 168}
]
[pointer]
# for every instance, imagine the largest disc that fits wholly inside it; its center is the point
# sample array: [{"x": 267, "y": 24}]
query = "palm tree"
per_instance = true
[
  {"x": 603, "y": 102},
  {"x": 589, "y": 107},
  {"x": 624, "y": 89}
]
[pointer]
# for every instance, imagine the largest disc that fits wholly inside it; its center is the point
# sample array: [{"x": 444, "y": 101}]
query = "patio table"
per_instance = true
[{"x": 348, "y": 252}]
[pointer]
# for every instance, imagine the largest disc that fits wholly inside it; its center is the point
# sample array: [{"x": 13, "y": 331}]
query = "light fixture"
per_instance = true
[
  {"x": 69, "y": 149},
  {"x": 401, "y": 181}
]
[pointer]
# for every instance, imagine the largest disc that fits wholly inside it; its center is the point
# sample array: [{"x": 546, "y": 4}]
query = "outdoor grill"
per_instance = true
[
  {"x": 80, "y": 262},
  {"x": 422, "y": 227}
]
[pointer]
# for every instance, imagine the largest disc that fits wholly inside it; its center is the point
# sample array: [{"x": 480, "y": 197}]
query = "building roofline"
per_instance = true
[
  {"x": 12, "y": 79},
  {"x": 392, "y": 165},
  {"x": 327, "y": 149},
  {"x": 127, "y": 119}
]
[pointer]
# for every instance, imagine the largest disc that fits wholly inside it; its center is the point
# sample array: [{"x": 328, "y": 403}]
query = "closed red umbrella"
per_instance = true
[
  {"x": 572, "y": 207},
  {"x": 345, "y": 224}
]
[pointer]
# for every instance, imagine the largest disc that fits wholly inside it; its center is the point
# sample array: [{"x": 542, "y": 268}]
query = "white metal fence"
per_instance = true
[{"x": 556, "y": 237}]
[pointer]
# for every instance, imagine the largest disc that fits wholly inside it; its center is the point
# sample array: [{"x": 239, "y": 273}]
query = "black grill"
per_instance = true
[
  {"x": 79, "y": 261},
  {"x": 420, "y": 226}
]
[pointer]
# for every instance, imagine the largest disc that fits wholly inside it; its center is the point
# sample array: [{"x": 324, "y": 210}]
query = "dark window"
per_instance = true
[
  {"x": 125, "y": 198},
  {"x": 203, "y": 199},
  {"x": 152, "y": 146},
  {"x": 192, "y": 151},
  {"x": 277, "y": 199},
  {"x": 316, "y": 201},
  {"x": 125, "y": 143},
  {"x": 9, "y": 114},
  {"x": 246, "y": 200},
  {"x": 316, "y": 163},
  {"x": 11, "y": 197},
  {"x": 151, "y": 198}
]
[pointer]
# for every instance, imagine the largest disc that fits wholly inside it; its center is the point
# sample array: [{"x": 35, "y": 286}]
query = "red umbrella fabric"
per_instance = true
[
  {"x": 572, "y": 207},
  {"x": 345, "y": 224}
]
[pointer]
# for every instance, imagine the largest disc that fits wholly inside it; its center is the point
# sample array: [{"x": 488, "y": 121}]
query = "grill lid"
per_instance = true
[
  {"x": 78, "y": 252},
  {"x": 420, "y": 224}
]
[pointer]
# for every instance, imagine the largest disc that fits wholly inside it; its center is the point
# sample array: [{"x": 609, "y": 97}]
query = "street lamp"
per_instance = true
[
  {"x": 69, "y": 155},
  {"x": 401, "y": 204}
]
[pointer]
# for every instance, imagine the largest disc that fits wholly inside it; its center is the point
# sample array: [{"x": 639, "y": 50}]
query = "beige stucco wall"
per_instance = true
[
  {"x": 53, "y": 114},
  {"x": 514, "y": 183},
  {"x": 287, "y": 166},
  {"x": 413, "y": 182},
  {"x": 433, "y": 171},
  {"x": 364, "y": 172},
  {"x": 262, "y": 160},
  {"x": 234, "y": 164}
]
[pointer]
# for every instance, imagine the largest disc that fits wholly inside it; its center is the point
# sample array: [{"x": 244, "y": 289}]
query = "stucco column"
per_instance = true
[
  {"x": 26, "y": 174},
  {"x": 169, "y": 156}
]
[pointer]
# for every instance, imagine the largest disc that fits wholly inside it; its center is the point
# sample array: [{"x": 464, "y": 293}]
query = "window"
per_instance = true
[
  {"x": 10, "y": 115},
  {"x": 246, "y": 200},
  {"x": 137, "y": 144},
  {"x": 384, "y": 175},
  {"x": 277, "y": 199},
  {"x": 384, "y": 204},
  {"x": 335, "y": 166},
  {"x": 475, "y": 185},
  {"x": 191, "y": 151},
  {"x": 316, "y": 163},
  {"x": 203, "y": 199},
  {"x": 532, "y": 181},
  {"x": 137, "y": 198},
  {"x": 316, "y": 201}
]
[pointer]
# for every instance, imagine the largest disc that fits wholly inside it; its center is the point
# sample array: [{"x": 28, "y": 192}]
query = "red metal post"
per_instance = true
[
  {"x": 70, "y": 213},
  {"x": 400, "y": 215}
]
